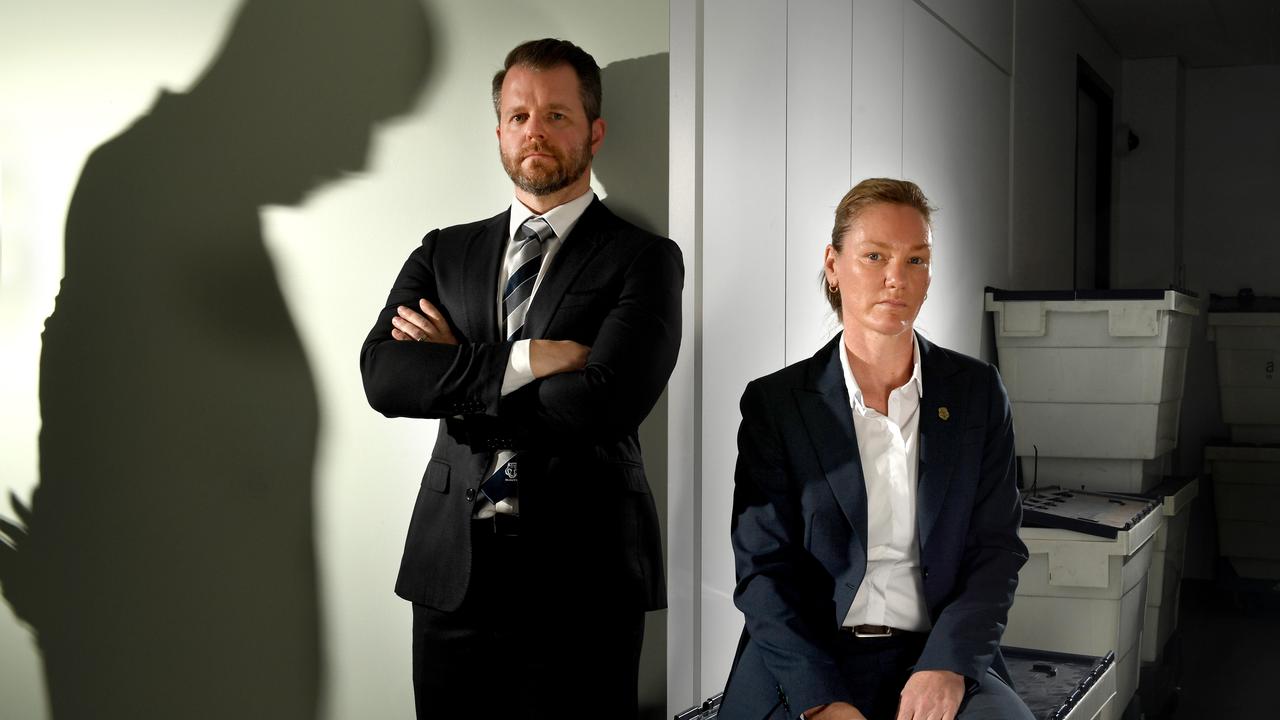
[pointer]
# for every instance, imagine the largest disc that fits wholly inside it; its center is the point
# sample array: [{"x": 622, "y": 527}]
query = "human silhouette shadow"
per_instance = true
[
  {"x": 633, "y": 167},
  {"x": 167, "y": 564}
]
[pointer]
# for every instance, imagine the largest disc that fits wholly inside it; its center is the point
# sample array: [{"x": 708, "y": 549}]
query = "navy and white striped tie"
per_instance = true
[{"x": 524, "y": 260}]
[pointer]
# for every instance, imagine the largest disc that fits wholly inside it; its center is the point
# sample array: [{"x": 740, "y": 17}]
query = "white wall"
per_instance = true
[{"x": 74, "y": 73}]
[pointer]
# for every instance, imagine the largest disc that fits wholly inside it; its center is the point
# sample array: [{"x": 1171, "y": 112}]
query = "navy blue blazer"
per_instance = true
[{"x": 800, "y": 525}]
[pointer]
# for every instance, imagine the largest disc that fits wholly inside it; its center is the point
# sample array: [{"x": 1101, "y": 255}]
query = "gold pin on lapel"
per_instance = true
[{"x": 944, "y": 413}]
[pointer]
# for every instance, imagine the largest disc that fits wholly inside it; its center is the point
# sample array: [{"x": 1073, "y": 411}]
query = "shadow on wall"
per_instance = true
[
  {"x": 633, "y": 163},
  {"x": 632, "y": 166},
  {"x": 167, "y": 564}
]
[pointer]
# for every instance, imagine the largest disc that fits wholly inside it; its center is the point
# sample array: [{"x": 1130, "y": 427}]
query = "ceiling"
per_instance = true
[{"x": 1204, "y": 33}]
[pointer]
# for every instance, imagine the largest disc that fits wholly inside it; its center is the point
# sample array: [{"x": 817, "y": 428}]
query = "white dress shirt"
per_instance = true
[
  {"x": 892, "y": 591},
  {"x": 519, "y": 372}
]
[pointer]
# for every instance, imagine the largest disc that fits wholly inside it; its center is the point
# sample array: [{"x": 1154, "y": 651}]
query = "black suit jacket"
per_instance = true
[
  {"x": 586, "y": 513},
  {"x": 800, "y": 526}
]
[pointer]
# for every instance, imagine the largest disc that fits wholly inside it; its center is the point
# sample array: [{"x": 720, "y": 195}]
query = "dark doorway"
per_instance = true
[{"x": 1092, "y": 269}]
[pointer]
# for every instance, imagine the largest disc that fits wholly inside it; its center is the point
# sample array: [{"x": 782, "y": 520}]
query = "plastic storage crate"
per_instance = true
[
  {"x": 1246, "y": 494},
  {"x": 1246, "y": 336},
  {"x": 1087, "y": 593},
  {"x": 1061, "y": 686},
  {"x": 1094, "y": 376},
  {"x": 1055, "y": 686},
  {"x": 1164, "y": 581}
]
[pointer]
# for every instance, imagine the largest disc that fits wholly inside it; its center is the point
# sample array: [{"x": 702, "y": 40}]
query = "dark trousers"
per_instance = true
[
  {"x": 519, "y": 649},
  {"x": 878, "y": 668}
]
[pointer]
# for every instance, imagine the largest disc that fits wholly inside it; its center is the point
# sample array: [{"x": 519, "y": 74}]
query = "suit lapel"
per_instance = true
[
  {"x": 574, "y": 254},
  {"x": 939, "y": 436},
  {"x": 824, "y": 405},
  {"x": 483, "y": 261}
]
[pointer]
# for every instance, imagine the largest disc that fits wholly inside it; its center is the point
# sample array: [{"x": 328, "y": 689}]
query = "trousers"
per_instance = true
[{"x": 518, "y": 649}]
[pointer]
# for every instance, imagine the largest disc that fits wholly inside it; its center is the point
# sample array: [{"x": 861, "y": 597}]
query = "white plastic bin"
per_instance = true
[
  {"x": 1062, "y": 686},
  {"x": 1248, "y": 350},
  {"x": 1246, "y": 494},
  {"x": 1097, "y": 474},
  {"x": 1086, "y": 595},
  {"x": 1094, "y": 376},
  {"x": 1164, "y": 581}
]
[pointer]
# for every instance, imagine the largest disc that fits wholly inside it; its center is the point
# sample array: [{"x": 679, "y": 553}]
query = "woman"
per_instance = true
[{"x": 875, "y": 503}]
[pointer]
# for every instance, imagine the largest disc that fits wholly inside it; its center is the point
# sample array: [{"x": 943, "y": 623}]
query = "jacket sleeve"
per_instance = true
[
  {"x": 630, "y": 361},
  {"x": 422, "y": 379},
  {"x": 966, "y": 633},
  {"x": 785, "y": 594}
]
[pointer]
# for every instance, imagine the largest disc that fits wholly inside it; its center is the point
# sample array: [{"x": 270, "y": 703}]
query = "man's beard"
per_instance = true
[{"x": 566, "y": 170}]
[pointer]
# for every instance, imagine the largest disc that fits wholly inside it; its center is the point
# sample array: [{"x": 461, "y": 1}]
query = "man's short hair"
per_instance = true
[
  {"x": 548, "y": 53},
  {"x": 872, "y": 191}
]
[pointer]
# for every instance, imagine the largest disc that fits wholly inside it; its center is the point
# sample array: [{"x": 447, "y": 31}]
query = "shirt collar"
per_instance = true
[
  {"x": 561, "y": 218},
  {"x": 855, "y": 393}
]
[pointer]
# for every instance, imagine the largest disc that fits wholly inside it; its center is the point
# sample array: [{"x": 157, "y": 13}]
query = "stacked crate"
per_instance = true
[
  {"x": 1095, "y": 381},
  {"x": 1246, "y": 473}
]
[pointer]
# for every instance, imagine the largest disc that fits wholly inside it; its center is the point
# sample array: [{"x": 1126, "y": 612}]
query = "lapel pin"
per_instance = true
[{"x": 944, "y": 413}]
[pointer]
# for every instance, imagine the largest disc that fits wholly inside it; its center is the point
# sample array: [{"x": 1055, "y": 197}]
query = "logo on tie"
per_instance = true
[
  {"x": 944, "y": 413},
  {"x": 511, "y": 472}
]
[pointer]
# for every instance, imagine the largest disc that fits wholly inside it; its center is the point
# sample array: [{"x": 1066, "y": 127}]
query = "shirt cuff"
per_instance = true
[{"x": 519, "y": 371}]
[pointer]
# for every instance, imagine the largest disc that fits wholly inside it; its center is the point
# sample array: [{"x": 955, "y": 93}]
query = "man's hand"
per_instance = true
[
  {"x": 429, "y": 326},
  {"x": 931, "y": 695},
  {"x": 548, "y": 357},
  {"x": 834, "y": 711}
]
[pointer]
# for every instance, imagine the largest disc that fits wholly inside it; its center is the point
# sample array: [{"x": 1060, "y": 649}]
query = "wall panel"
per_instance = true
[
  {"x": 956, "y": 146},
  {"x": 743, "y": 255},
  {"x": 819, "y": 120}
]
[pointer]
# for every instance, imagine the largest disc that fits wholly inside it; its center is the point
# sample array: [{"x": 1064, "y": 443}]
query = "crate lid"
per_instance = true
[
  {"x": 1243, "y": 453},
  {"x": 1130, "y": 313},
  {"x": 1242, "y": 318},
  {"x": 1000, "y": 295},
  {"x": 1052, "y": 684},
  {"x": 1102, "y": 515},
  {"x": 1243, "y": 302},
  {"x": 1174, "y": 493}
]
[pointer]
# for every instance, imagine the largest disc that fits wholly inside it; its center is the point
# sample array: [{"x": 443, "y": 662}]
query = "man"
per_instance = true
[
  {"x": 542, "y": 336},
  {"x": 876, "y": 512}
]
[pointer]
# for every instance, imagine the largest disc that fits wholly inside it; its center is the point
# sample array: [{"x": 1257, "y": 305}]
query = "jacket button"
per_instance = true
[
  {"x": 924, "y": 572},
  {"x": 470, "y": 494}
]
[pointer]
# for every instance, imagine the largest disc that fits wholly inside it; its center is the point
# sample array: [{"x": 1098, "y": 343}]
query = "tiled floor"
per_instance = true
[{"x": 1230, "y": 633}]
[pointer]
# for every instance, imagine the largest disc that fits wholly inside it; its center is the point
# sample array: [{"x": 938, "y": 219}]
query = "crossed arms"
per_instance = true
[{"x": 592, "y": 386}]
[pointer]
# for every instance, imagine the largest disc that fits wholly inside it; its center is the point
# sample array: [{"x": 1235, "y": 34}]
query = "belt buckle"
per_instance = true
[{"x": 872, "y": 631}]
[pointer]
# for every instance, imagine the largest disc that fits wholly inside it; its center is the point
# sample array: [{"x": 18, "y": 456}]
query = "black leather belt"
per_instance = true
[{"x": 873, "y": 631}]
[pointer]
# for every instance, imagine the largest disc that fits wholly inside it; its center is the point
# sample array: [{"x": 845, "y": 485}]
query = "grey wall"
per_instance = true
[
  {"x": 1148, "y": 248},
  {"x": 1231, "y": 180},
  {"x": 311, "y": 238},
  {"x": 1049, "y": 37}
]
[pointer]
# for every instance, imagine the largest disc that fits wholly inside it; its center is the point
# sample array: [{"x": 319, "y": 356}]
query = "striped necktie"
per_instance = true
[{"x": 524, "y": 259}]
